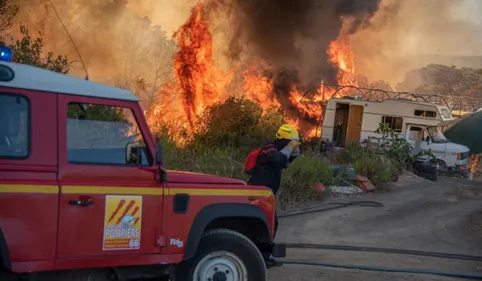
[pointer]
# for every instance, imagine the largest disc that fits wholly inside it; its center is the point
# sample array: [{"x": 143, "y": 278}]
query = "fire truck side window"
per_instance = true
[
  {"x": 100, "y": 134},
  {"x": 14, "y": 126}
]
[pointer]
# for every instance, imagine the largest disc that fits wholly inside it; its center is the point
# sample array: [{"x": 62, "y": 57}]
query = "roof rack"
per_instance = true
[{"x": 454, "y": 103}]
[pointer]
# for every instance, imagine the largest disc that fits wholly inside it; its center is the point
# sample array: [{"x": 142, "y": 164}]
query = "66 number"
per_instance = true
[{"x": 134, "y": 243}]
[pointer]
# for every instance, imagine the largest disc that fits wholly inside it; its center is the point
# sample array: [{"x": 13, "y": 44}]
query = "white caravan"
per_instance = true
[{"x": 421, "y": 124}]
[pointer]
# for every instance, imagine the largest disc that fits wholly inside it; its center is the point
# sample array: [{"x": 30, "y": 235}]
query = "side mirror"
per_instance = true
[
  {"x": 83, "y": 108},
  {"x": 133, "y": 153},
  {"x": 160, "y": 163}
]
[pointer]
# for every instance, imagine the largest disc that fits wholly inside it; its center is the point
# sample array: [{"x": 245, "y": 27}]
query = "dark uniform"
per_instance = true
[
  {"x": 270, "y": 162},
  {"x": 273, "y": 158}
]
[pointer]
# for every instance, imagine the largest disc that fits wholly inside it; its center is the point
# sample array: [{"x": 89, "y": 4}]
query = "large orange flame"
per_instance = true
[
  {"x": 199, "y": 83},
  {"x": 474, "y": 161},
  {"x": 341, "y": 54}
]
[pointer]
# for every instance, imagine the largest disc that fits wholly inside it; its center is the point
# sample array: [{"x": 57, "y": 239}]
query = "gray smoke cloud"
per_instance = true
[
  {"x": 118, "y": 40},
  {"x": 293, "y": 37},
  {"x": 391, "y": 36},
  {"x": 409, "y": 34}
]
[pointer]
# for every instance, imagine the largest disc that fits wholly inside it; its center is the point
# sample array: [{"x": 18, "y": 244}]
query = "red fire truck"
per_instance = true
[{"x": 84, "y": 194}]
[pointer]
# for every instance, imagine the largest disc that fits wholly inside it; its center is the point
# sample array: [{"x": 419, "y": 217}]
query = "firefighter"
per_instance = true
[{"x": 271, "y": 160}]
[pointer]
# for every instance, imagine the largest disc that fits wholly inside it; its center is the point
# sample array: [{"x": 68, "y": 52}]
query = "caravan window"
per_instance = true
[
  {"x": 394, "y": 123},
  {"x": 425, "y": 113},
  {"x": 445, "y": 113}
]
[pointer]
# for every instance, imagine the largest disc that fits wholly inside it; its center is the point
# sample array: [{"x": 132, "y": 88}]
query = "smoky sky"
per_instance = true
[{"x": 294, "y": 35}]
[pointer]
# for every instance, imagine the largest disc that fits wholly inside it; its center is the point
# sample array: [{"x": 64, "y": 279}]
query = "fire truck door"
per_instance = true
[
  {"x": 110, "y": 204},
  {"x": 29, "y": 191}
]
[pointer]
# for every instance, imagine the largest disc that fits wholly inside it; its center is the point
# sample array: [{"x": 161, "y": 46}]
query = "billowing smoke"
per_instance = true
[
  {"x": 122, "y": 42},
  {"x": 295, "y": 34},
  {"x": 288, "y": 34},
  {"x": 293, "y": 37}
]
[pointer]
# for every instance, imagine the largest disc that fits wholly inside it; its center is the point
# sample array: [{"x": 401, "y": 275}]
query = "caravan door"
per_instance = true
[{"x": 355, "y": 119}]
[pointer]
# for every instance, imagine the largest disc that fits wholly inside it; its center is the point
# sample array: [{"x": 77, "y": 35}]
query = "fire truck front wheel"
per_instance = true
[{"x": 223, "y": 255}]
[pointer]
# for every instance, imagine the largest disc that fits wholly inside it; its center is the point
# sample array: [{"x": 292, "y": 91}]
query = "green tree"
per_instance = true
[
  {"x": 29, "y": 50},
  {"x": 443, "y": 80}
]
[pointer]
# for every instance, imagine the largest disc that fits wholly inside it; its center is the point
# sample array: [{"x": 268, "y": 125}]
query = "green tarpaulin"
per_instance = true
[{"x": 468, "y": 132}]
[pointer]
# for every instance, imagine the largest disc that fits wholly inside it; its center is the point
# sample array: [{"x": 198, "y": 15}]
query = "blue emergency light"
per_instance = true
[{"x": 6, "y": 54}]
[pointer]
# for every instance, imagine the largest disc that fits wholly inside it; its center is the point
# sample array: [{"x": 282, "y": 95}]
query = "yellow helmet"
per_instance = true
[{"x": 288, "y": 132}]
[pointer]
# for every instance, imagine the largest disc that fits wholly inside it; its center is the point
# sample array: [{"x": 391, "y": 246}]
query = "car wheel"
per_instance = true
[
  {"x": 441, "y": 165},
  {"x": 223, "y": 255}
]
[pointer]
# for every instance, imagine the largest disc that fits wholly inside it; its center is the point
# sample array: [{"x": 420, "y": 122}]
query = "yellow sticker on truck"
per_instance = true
[{"x": 122, "y": 222}]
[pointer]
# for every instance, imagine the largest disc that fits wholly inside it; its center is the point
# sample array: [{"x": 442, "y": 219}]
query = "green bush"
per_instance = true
[
  {"x": 398, "y": 150},
  {"x": 374, "y": 168},
  {"x": 300, "y": 179},
  {"x": 239, "y": 123},
  {"x": 377, "y": 168},
  {"x": 208, "y": 160}
]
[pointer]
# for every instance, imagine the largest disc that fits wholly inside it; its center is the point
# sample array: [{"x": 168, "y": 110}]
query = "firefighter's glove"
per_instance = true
[
  {"x": 294, "y": 145},
  {"x": 296, "y": 151}
]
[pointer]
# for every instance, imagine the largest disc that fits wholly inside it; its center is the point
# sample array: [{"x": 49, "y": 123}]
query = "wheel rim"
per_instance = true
[
  {"x": 220, "y": 266},
  {"x": 441, "y": 165}
]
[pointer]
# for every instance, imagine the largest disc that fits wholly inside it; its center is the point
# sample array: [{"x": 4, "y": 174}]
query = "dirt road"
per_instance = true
[{"x": 443, "y": 216}]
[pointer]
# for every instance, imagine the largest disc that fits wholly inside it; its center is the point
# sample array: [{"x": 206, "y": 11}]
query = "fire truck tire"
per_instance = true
[
  {"x": 223, "y": 254},
  {"x": 5, "y": 264}
]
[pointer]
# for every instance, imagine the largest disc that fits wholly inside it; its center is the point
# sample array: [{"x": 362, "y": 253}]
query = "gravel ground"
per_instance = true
[{"x": 442, "y": 216}]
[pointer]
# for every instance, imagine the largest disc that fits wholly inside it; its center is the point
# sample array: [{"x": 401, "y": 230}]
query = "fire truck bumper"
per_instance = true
[{"x": 279, "y": 251}]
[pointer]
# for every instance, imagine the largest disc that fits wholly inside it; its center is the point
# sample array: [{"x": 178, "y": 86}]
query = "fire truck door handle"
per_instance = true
[{"x": 81, "y": 202}]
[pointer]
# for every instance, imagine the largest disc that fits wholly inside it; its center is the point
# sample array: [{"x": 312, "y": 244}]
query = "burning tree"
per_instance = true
[{"x": 273, "y": 75}]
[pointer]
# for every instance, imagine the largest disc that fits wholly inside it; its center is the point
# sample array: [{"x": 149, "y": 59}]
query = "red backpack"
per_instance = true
[{"x": 252, "y": 159}]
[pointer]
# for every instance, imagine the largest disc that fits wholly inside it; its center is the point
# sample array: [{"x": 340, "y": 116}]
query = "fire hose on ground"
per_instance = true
[{"x": 337, "y": 205}]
